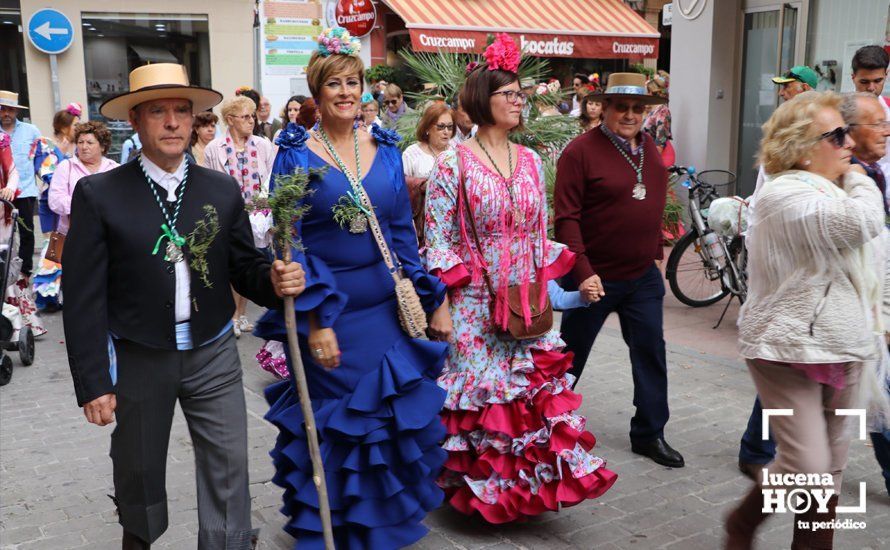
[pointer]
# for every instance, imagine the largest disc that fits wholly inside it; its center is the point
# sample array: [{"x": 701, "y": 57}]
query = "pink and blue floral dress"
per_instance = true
[{"x": 516, "y": 447}]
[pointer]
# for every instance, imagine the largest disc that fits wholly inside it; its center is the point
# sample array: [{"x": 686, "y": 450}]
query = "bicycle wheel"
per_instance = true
[{"x": 690, "y": 278}]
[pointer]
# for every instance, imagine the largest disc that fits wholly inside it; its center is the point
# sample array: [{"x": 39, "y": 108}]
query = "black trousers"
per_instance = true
[
  {"x": 26, "y": 208},
  {"x": 207, "y": 384},
  {"x": 639, "y": 305}
]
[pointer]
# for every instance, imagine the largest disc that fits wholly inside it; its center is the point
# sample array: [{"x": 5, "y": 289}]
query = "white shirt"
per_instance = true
[
  {"x": 170, "y": 182},
  {"x": 417, "y": 163}
]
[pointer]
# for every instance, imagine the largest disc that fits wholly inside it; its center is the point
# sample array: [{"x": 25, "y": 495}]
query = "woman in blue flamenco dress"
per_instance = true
[{"x": 373, "y": 388}]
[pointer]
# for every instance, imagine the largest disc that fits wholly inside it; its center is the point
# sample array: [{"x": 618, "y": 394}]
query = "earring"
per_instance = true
[{"x": 806, "y": 162}]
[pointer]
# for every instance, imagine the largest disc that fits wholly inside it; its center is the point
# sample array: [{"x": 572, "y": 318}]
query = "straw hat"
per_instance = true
[
  {"x": 10, "y": 99},
  {"x": 159, "y": 81},
  {"x": 627, "y": 86}
]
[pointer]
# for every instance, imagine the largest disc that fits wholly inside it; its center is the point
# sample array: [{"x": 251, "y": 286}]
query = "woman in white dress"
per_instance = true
[{"x": 434, "y": 135}]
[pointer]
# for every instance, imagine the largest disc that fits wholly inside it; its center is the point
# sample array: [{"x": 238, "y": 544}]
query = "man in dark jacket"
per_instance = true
[{"x": 153, "y": 248}]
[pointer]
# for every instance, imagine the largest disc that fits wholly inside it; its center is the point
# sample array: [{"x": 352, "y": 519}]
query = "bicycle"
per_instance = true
[{"x": 704, "y": 267}]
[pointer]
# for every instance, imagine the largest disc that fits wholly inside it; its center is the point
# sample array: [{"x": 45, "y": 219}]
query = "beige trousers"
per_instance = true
[{"x": 814, "y": 440}]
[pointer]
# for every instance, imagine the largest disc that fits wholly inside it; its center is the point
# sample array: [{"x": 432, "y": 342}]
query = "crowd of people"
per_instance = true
[{"x": 165, "y": 248}]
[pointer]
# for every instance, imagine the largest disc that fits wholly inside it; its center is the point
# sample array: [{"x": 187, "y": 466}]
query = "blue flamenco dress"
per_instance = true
[{"x": 377, "y": 414}]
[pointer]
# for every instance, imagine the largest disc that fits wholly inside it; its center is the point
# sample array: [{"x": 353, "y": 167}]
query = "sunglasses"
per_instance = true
[
  {"x": 836, "y": 137},
  {"x": 392, "y": 101},
  {"x": 441, "y": 127},
  {"x": 624, "y": 107}
]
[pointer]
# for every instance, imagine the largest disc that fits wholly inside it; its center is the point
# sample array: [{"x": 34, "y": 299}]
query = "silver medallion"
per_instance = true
[
  {"x": 358, "y": 224},
  {"x": 639, "y": 192},
  {"x": 174, "y": 253}
]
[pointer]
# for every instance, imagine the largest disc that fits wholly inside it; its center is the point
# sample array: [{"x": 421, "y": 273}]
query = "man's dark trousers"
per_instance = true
[
  {"x": 639, "y": 305},
  {"x": 26, "y": 207},
  {"x": 753, "y": 448},
  {"x": 207, "y": 384}
]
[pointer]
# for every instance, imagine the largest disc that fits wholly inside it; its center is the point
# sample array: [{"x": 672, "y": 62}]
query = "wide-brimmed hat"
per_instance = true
[
  {"x": 10, "y": 99},
  {"x": 159, "y": 81},
  {"x": 628, "y": 86}
]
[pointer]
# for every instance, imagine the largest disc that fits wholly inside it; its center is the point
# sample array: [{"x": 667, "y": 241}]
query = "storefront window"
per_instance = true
[
  {"x": 116, "y": 43},
  {"x": 12, "y": 56},
  {"x": 837, "y": 28}
]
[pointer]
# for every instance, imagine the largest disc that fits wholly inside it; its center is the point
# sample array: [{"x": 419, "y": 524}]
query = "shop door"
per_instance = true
[{"x": 769, "y": 49}]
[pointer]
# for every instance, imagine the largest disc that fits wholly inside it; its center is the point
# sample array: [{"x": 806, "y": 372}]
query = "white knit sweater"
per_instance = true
[{"x": 817, "y": 271}]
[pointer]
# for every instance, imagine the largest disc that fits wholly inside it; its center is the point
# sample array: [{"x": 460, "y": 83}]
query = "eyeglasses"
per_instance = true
[
  {"x": 392, "y": 101},
  {"x": 836, "y": 137},
  {"x": 883, "y": 125},
  {"x": 638, "y": 109},
  {"x": 245, "y": 118},
  {"x": 512, "y": 96},
  {"x": 441, "y": 127}
]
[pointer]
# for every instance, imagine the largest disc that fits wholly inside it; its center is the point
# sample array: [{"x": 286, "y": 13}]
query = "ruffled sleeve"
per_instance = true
[
  {"x": 321, "y": 294},
  {"x": 441, "y": 229},
  {"x": 430, "y": 289}
]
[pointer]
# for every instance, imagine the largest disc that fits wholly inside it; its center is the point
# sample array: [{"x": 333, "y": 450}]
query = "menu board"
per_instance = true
[{"x": 289, "y": 29}]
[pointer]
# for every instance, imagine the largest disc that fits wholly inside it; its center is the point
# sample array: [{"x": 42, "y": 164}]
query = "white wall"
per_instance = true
[
  {"x": 839, "y": 27},
  {"x": 703, "y": 67}
]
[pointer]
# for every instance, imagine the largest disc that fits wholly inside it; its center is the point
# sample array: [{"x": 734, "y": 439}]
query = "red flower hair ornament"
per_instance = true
[{"x": 503, "y": 54}]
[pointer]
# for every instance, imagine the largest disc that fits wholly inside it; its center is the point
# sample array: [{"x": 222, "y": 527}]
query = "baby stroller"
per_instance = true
[{"x": 12, "y": 338}]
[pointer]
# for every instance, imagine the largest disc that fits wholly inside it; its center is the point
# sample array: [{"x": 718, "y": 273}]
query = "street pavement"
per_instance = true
[{"x": 55, "y": 473}]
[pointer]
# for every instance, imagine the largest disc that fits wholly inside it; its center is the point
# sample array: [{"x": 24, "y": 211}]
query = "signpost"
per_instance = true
[{"x": 51, "y": 32}]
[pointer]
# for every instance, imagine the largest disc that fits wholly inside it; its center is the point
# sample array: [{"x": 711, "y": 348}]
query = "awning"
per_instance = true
[{"x": 599, "y": 29}]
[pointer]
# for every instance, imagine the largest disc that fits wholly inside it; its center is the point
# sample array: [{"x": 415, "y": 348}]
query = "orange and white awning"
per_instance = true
[{"x": 599, "y": 29}]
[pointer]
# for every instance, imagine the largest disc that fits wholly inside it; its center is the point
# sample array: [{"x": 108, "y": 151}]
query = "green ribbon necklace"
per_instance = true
[{"x": 175, "y": 241}]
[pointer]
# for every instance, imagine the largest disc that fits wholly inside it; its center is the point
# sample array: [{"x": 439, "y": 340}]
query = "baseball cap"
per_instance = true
[{"x": 800, "y": 73}]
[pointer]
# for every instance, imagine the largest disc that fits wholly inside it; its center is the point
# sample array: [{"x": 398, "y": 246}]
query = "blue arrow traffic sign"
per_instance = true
[{"x": 50, "y": 31}]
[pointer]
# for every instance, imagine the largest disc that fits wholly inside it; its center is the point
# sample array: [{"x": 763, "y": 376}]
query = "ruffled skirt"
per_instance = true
[
  {"x": 515, "y": 446},
  {"x": 379, "y": 429}
]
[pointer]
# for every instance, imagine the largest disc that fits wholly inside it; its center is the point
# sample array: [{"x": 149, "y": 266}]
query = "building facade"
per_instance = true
[{"x": 724, "y": 53}]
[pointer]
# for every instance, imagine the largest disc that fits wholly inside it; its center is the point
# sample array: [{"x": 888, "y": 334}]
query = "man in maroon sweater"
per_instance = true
[{"x": 611, "y": 188}]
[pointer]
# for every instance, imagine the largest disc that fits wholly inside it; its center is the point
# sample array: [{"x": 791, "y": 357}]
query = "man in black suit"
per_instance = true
[{"x": 148, "y": 310}]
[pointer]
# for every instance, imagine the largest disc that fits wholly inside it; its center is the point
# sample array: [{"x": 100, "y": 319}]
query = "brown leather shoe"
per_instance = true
[
  {"x": 807, "y": 539},
  {"x": 751, "y": 470},
  {"x": 742, "y": 523}
]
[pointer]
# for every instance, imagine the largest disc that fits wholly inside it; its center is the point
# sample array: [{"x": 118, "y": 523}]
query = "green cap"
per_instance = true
[{"x": 800, "y": 73}]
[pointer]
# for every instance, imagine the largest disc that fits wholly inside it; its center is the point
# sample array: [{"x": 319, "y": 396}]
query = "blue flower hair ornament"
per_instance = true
[
  {"x": 337, "y": 40},
  {"x": 367, "y": 97},
  {"x": 293, "y": 136},
  {"x": 385, "y": 136}
]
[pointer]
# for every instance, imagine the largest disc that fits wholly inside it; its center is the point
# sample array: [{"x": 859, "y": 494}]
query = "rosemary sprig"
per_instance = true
[
  {"x": 199, "y": 241},
  {"x": 345, "y": 211},
  {"x": 287, "y": 206}
]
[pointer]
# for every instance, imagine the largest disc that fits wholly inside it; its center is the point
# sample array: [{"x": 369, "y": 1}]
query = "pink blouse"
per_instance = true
[{"x": 65, "y": 179}]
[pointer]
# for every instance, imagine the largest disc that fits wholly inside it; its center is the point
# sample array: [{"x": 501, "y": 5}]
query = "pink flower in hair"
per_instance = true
[
  {"x": 503, "y": 54},
  {"x": 471, "y": 66}
]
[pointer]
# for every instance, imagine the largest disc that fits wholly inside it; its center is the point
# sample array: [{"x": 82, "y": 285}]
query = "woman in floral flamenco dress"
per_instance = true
[{"x": 515, "y": 446}]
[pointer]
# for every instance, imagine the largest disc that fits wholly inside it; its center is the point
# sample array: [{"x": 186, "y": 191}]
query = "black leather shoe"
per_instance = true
[
  {"x": 660, "y": 452},
  {"x": 132, "y": 542}
]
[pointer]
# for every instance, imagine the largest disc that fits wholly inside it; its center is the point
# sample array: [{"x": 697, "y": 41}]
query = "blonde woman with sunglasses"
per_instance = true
[{"x": 810, "y": 331}]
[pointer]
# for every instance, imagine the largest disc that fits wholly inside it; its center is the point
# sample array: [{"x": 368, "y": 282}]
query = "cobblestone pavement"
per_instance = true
[{"x": 55, "y": 472}]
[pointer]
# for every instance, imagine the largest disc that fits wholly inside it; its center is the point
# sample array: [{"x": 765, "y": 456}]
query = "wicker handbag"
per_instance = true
[{"x": 411, "y": 313}]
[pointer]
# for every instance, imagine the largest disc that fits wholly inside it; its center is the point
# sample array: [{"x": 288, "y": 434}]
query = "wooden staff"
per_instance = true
[{"x": 286, "y": 208}]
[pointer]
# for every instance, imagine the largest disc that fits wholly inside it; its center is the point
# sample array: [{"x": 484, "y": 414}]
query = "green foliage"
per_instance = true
[
  {"x": 287, "y": 207},
  {"x": 407, "y": 126},
  {"x": 380, "y": 72},
  {"x": 345, "y": 211},
  {"x": 640, "y": 68},
  {"x": 199, "y": 241},
  {"x": 547, "y": 134}
]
